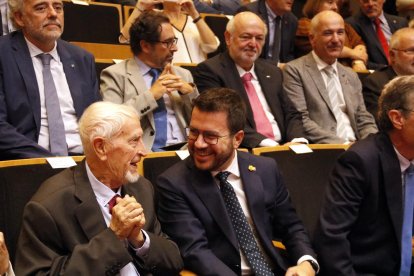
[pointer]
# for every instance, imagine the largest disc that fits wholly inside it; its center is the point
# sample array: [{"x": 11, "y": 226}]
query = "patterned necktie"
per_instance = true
[
  {"x": 381, "y": 37},
  {"x": 333, "y": 96},
  {"x": 263, "y": 125},
  {"x": 57, "y": 138},
  {"x": 160, "y": 117},
  {"x": 407, "y": 229},
  {"x": 242, "y": 228},
  {"x": 112, "y": 203},
  {"x": 276, "y": 40}
]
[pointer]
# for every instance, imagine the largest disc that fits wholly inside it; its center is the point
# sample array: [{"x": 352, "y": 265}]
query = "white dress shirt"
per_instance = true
[{"x": 103, "y": 195}]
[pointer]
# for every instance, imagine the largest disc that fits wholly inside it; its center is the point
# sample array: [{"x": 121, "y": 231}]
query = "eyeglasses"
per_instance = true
[
  {"x": 169, "y": 43},
  {"x": 409, "y": 52},
  {"x": 211, "y": 139}
]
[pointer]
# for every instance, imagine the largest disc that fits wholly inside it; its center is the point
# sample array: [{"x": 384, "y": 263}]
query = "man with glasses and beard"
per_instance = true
[
  {"x": 160, "y": 92},
  {"x": 223, "y": 207}
]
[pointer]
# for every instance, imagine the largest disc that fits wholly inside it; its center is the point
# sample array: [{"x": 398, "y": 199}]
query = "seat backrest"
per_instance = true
[
  {"x": 19, "y": 180},
  {"x": 96, "y": 22},
  {"x": 106, "y": 51},
  {"x": 101, "y": 64},
  {"x": 217, "y": 24},
  {"x": 305, "y": 176}
]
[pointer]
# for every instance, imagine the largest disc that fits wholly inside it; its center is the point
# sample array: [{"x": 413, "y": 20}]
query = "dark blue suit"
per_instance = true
[
  {"x": 359, "y": 232},
  {"x": 193, "y": 214},
  {"x": 19, "y": 93},
  {"x": 363, "y": 26}
]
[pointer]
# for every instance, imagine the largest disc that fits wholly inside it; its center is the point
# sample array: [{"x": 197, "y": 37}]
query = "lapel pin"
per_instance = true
[
  {"x": 72, "y": 65},
  {"x": 268, "y": 76},
  {"x": 252, "y": 168}
]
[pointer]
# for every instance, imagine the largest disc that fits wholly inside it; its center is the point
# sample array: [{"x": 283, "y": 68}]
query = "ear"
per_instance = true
[
  {"x": 397, "y": 119},
  {"x": 18, "y": 19},
  {"x": 100, "y": 147},
  {"x": 238, "y": 138},
  {"x": 227, "y": 36},
  {"x": 145, "y": 46},
  {"x": 392, "y": 56}
]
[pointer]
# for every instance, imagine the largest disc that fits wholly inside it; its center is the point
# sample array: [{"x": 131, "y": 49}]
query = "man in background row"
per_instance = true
[
  {"x": 326, "y": 93},
  {"x": 45, "y": 84},
  {"x": 161, "y": 93}
]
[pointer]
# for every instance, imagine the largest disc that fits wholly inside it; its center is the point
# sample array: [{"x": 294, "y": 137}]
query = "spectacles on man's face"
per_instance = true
[
  {"x": 169, "y": 42},
  {"x": 209, "y": 138},
  {"x": 409, "y": 52}
]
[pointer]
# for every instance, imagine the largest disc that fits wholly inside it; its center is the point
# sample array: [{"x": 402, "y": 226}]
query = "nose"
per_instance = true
[
  {"x": 141, "y": 150},
  {"x": 174, "y": 48},
  {"x": 51, "y": 11},
  {"x": 335, "y": 7},
  {"x": 199, "y": 142}
]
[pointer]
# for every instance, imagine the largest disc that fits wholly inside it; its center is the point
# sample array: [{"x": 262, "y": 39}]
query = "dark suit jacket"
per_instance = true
[
  {"x": 192, "y": 212},
  {"x": 289, "y": 25},
  {"x": 221, "y": 71},
  {"x": 363, "y": 26},
  {"x": 19, "y": 93},
  {"x": 63, "y": 231},
  {"x": 372, "y": 87},
  {"x": 359, "y": 232}
]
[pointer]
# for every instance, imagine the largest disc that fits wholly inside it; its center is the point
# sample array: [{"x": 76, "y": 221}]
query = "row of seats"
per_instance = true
[{"x": 305, "y": 176}]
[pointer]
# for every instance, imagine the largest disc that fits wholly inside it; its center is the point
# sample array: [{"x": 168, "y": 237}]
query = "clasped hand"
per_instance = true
[
  {"x": 127, "y": 220},
  {"x": 169, "y": 82}
]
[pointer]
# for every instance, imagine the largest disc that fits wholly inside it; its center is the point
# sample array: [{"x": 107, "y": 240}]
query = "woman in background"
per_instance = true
[{"x": 195, "y": 38}]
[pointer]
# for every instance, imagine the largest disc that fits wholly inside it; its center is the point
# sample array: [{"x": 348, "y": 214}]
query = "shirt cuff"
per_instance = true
[
  {"x": 144, "y": 248},
  {"x": 300, "y": 140},
  {"x": 305, "y": 258},
  {"x": 268, "y": 143}
]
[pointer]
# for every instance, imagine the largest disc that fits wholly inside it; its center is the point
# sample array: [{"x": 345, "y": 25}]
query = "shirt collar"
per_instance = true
[
  {"x": 270, "y": 14},
  {"x": 404, "y": 162},
  {"x": 382, "y": 18},
  {"x": 242, "y": 71},
  {"x": 322, "y": 64},
  {"x": 144, "y": 68},
  {"x": 34, "y": 51},
  {"x": 102, "y": 192},
  {"x": 233, "y": 168}
]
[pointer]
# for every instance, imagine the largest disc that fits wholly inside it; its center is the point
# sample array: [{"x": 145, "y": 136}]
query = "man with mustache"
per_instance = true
[
  {"x": 98, "y": 218},
  {"x": 45, "y": 84},
  {"x": 160, "y": 92},
  {"x": 327, "y": 94},
  {"x": 270, "y": 118},
  {"x": 223, "y": 207}
]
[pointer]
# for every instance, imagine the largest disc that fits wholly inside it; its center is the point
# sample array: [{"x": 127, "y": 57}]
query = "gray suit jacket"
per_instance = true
[
  {"x": 306, "y": 89},
  {"x": 122, "y": 83}
]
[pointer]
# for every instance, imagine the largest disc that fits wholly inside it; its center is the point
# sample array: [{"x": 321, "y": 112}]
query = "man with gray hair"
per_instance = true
[
  {"x": 326, "y": 93},
  {"x": 366, "y": 222},
  {"x": 46, "y": 84},
  {"x": 98, "y": 218},
  {"x": 270, "y": 118},
  {"x": 401, "y": 63}
]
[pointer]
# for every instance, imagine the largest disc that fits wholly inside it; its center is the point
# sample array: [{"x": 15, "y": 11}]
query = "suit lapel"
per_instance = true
[
  {"x": 347, "y": 93},
  {"x": 370, "y": 33},
  {"x": 72, "y": 77},
  {"x": 392, "y": 183},
  {"x": 88, "y": 212},
  {"x": 134, "y": 75},
  {"x": 207, "y": 190},
  {"x": 317, "y": 79},
  {"x": 25, "y": 64}
]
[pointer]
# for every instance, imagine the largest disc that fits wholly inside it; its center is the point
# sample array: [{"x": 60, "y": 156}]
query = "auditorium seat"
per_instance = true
[
  {"x": 96, "y": 22},
  {"x": 305, "y": 176},
  {"x": 19, "y": 180},
  {"x": 217, "y": 24}
]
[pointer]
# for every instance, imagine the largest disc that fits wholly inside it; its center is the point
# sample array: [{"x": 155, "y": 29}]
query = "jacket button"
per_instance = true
[{"x": 152, "y": 133}]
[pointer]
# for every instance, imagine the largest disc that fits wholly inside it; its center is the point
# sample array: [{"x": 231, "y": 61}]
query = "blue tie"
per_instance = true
[
  {"x": 244, "y": 233},
  {"x": 160, "y": 117},
  {"x": 407, "y": 229}
]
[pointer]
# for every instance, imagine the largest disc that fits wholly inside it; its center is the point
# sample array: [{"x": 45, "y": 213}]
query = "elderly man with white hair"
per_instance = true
[{"x": 98, "y": 218}]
